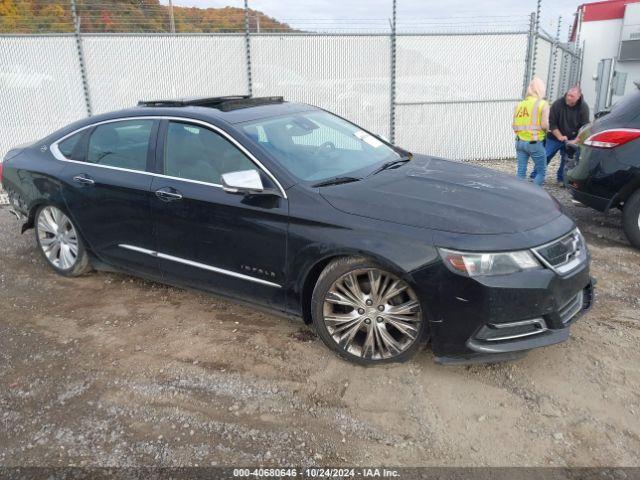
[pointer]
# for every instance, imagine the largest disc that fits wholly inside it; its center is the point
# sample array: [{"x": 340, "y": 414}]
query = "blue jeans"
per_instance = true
[
  {"x": 553, "y": 146},
  {"x": 535, "y": 151}
]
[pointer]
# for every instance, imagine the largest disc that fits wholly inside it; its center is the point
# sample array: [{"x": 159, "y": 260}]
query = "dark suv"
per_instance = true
[{"x": 608, "y": 173}]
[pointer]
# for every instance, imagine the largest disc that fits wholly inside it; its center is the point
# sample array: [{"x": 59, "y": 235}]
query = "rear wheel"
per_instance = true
[
  {"x": 631, "y": 219},
  {"x": 365, "y": 313},
  {"x": 60, "y": 243}
]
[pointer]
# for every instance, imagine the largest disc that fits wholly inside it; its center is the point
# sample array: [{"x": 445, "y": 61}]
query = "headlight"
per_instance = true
[{"x": 474, "y": 264}]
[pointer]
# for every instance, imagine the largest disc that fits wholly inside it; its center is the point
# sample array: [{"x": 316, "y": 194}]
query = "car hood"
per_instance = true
[{"x": 439, "y": 194}]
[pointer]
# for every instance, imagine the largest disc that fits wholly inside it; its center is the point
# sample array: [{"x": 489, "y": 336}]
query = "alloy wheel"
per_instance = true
[
  {"x": 58, "y": 238},
  {"x": 372, "y": 314}
]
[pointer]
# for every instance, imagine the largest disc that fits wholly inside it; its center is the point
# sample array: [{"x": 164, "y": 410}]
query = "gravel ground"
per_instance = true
[{"x": 111, "y": 370}]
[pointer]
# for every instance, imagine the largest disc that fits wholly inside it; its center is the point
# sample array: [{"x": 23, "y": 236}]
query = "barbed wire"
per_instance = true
[{"x": 103, "y": 16}]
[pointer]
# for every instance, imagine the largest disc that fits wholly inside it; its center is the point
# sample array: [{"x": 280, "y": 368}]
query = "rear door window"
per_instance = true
[{"x": 121, "y": 144}]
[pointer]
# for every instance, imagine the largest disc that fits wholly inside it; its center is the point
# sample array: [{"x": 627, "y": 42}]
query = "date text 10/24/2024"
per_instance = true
[{"x": 316, "y": 472}]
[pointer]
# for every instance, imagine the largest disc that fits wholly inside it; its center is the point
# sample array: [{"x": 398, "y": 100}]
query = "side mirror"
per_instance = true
[{"x": 244, "y": 181}]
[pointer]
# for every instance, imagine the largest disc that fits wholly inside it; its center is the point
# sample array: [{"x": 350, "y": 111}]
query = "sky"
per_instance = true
[{"x": 296, "y": 12}]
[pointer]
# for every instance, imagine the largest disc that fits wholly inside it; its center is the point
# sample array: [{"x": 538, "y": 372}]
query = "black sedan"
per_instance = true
[
  {"x": 298, "y": 210},
  {"x": 608, "y": 173}
]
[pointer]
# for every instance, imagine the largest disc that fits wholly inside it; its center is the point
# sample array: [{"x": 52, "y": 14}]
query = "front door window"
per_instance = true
[{"x": 196, "y": 153}]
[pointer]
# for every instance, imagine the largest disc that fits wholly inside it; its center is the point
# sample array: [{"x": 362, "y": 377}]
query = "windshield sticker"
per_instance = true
[{"x": 369, "y": 139}]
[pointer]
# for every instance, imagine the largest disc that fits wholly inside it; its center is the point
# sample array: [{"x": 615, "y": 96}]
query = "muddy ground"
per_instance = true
[{"x": 112, "y": 370}]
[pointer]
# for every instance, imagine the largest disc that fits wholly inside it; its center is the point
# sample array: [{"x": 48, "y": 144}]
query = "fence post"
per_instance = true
[
  {"x": 392, "y": 92},
  {"x": 536, "y": 35},
  {"x": 580, "y": 64},
  {"x": 247, "y": 46},
  {"x": 561, "y": 75},
  {"x": 172, "y": 20},
  {"x": 83, "y": 70},
  {"x": 564, "y": 66},
  {"x": 553, "y": 60},
  {"x": 527, "y": 60},
  {"x": 574, "y": 64}
]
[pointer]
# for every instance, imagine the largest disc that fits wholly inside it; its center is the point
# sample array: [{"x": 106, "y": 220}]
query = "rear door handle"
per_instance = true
[
  {"x": 84, "y": 179},
  {"x": 168, "y": 194}
]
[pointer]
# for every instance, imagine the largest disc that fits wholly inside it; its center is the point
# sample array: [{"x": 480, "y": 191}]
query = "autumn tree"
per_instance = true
[{"x": 39, "y": 16}]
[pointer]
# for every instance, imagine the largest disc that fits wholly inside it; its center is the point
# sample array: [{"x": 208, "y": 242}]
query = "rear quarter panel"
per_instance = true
[{"x": 30, "y": 179}]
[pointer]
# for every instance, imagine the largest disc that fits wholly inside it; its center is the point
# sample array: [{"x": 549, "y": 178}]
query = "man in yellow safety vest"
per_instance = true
[{"x": 530, "y": 123}]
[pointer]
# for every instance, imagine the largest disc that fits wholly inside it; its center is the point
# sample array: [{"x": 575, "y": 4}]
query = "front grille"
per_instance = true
[{"x": 565, "y": 254}]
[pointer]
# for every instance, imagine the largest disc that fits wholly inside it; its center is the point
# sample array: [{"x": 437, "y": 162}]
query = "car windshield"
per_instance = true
[{"x": 317, "y": 145}]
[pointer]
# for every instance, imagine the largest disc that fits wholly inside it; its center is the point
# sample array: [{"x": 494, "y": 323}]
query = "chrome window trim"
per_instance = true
[
  {"x": 199, "y": 182},
  {"x": 203, "y": 266},
  {"x": 55, "y": 151},
  {"x": 151, "y": 174}
]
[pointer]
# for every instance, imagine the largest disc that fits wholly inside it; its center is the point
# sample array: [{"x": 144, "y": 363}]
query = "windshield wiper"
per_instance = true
[
  {"x": 335, "y": 181},
  {"x": 391, "y": 164}
]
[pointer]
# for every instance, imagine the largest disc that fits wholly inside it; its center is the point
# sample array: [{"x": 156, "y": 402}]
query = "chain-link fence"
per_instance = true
[
  {"x": 448, "y": 93},
  {"x": 558, "y": 64},
  {"x": 124, "y": 68},
  {"x": 456, "y": 93},
  {"x": 40, "y": 87},
  {"x": 345, "y": 73}
]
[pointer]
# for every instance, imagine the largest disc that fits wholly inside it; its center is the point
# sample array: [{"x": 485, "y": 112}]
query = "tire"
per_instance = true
[
  {"x": 59, "y": 242},
  {"x": 363, "y": 326},
  {"x": 631, "y": 219}
]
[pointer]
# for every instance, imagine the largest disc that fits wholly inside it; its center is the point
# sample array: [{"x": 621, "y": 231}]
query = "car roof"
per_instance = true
[
  {"x": 231, "y": 109},
  {"x": 188, "y": 108},
  {"x": 226, "y": 103}
]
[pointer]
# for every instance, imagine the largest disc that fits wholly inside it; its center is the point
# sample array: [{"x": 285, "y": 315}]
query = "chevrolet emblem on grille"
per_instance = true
[{"x": 563, "y": 255}]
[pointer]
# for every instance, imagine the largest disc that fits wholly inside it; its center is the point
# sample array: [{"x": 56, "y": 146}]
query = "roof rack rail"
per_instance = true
[{"x": 231, "y": 102}]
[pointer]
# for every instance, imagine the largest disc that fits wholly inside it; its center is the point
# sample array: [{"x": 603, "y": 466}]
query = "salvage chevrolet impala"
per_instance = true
[{"x": 298, "y": 210}]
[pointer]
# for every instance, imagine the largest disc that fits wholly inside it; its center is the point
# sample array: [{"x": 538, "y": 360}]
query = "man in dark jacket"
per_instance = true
[{"x": 567, "y": 115}]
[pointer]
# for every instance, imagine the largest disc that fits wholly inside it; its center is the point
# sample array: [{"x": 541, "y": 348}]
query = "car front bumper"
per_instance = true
[
  {"x": 516, "y": 336},
  {"x": 500, "y": 318}
]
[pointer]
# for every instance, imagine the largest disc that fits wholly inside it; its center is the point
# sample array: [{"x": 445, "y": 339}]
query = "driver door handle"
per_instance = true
[
  {"x": 84, "y": 179},
  {"x": 168, "y": 194}
]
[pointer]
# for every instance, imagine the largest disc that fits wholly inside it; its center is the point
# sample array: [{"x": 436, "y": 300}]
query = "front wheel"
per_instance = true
[
  {"x": 365, "y": 313},
  {"x": 631, "y": 219},
  {"x": 60, "y": 243}
]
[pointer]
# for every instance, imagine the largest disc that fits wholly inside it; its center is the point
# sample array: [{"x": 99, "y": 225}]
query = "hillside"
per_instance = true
[{"x": 40, "y": 16}]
